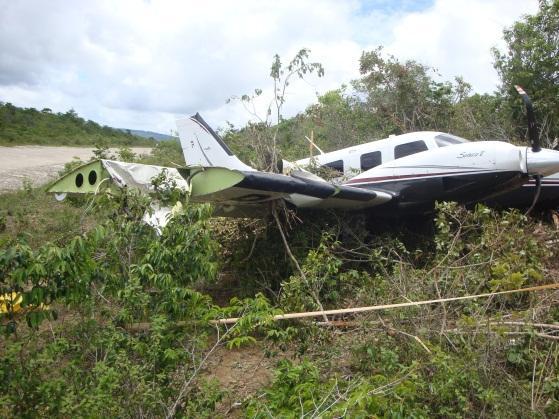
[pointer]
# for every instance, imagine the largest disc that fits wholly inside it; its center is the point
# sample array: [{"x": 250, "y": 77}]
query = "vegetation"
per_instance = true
[
  {"x": 532, "y": 59},
  {"x": 394, "y": 97},
  {"x": 118, "y": 321},
  {"x": 30, "y": 126}
]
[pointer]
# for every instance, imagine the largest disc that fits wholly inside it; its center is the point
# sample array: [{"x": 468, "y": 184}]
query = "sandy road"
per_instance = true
[{"x": 39, "y": 164}]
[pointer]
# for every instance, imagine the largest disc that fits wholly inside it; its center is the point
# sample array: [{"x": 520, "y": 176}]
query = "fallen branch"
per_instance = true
[
  {"x": 528, "y": 324},
  {"x": 323, "y": 313},
  {"x": 466, "y": 332},
  {"x": 139, "y": 327}
]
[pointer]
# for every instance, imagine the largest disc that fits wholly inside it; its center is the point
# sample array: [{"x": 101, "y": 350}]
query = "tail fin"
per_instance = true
[{"x": 201, "y": 146}]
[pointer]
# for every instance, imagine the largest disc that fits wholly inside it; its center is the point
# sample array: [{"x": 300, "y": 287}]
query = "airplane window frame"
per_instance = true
[
  {"x": 444, "y": 140},
  {"x": 337, "y": 165},
  {"x": 376, "y": 163},
  {"x": 398, "y": 147}
]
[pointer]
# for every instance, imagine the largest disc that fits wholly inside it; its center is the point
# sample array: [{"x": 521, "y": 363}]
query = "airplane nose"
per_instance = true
[{"x": 543, "y": 163}]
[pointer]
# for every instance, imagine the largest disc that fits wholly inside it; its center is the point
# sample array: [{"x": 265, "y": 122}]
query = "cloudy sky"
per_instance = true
[{"x": 139, "y": 64}]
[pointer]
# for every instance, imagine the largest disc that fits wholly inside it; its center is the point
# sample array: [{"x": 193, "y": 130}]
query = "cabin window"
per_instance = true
[
  {"x": 337, "y": 165},
  {"x": 370, "y": 160},
  {"x": 443, "y": 140},
  {"x": 408, "y": 149}
]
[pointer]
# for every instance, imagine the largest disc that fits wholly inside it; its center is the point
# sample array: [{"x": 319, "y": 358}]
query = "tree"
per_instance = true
[
  {"x": 532, "y": 61},
  {"x": 481, "y": 117},
  {"x": 263, "y": 135},
  {"x": 403, "y": 97}
]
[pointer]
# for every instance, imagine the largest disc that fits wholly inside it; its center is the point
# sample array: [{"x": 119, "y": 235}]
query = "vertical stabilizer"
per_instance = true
[{"x": 203, "y": 147}]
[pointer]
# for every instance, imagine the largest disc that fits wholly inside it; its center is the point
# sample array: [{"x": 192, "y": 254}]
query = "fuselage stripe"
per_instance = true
[{"x": 415, "y": 175}]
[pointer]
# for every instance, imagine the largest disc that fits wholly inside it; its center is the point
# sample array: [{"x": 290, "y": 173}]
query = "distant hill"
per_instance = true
[
  {"x": 31, "y": 126},
  {"x": 149, "y": 134}
]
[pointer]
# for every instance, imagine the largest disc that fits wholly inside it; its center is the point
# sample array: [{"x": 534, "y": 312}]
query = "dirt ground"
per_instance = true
[
  {"x": 243, "y": 373},
  {"x": 40, "y": 164}
]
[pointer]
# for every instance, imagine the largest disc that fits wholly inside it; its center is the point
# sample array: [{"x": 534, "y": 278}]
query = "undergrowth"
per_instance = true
[{"x": 116, "y": 320}]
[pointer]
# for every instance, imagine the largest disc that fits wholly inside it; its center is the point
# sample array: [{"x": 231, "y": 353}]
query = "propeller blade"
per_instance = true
[
  {"x": 532, "y": 129},
  {"x": 537, "y": 194}
]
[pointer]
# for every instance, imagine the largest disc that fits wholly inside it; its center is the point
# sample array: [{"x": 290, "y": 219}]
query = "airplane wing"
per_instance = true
[
  {"x": 214, "y": 174},
  {"x": 234, "y": 192},
  {"x": 100, "y": 174}
]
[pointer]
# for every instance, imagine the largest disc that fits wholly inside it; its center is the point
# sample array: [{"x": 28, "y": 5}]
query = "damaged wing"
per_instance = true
[
  {"x": 243, "y": 191},
  {"x": 214, "y": 174},
  {"x": 91, "y": 177},
  {"x": 234, "y": 192}
]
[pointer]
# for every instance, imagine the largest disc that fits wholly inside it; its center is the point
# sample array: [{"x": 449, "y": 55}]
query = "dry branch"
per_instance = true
[
  {"x": 138, "y": 327},
  {"x": 323, "y": 313}
]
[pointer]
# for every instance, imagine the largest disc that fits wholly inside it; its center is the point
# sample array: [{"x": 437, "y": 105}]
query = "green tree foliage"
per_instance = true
[
  {"x": 262, "y": 135},
  {"x": 336, "y": 121},
  {"x": 117, "y": 273},
  {"x": 390, "y": 97},
  {"x": 403, "y": 97},
  {"x": 483, "y": 117},
  {"x": 440, "y": 360},
  {"x": 30, "y": 126},
  {"x": 531, "y": 60},
  {"x": 132, "y": 331}
]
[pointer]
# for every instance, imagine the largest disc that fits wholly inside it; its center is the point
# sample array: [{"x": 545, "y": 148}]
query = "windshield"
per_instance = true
[{"x": 443, "y": 140}]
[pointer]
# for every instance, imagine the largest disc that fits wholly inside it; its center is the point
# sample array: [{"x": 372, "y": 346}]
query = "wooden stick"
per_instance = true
[
  {"x": 517, "y": 323},
  {"x": 323, "y": 313},
  {"x": 138, "y": 327},
  {"x": 541, "y": 335}
]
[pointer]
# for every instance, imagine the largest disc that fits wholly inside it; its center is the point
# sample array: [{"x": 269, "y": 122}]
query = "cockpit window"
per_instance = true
[
  {"x": 443, "y": 140},
  {"x": 370, "y": 160},
  {"x": 407, "y": 149}
]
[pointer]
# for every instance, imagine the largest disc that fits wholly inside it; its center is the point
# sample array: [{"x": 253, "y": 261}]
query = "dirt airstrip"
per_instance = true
[{"x": 39, "y": 164}]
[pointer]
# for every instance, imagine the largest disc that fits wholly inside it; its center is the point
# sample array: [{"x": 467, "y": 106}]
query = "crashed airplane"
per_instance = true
[{"x": 398, "y": 176}]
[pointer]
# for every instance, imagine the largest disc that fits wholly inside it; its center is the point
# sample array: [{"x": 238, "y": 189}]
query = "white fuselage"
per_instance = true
[
  {"x": 355, "y": 160},
  {"x": 423, "y": 167},
  {"x": 462, "y": 159}
]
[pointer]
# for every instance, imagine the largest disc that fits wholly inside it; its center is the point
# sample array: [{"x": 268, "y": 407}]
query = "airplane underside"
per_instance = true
[
  {"x": 523, "y": 197},
  {"x": 418, "y": 195}
]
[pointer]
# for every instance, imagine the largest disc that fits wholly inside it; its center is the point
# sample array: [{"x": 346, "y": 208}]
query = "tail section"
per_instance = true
[{"x": 201, "y": 146}]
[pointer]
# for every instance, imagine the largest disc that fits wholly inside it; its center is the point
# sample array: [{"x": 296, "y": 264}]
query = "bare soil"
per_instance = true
[
  {"x": 40, "y": 164},
  {"x": 243, "y": 373}
]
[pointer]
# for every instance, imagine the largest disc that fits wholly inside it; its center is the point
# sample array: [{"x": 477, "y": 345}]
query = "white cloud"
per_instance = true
[
  {"x": 456, "y": 36},
  {"x": 137, "y": 63}
]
